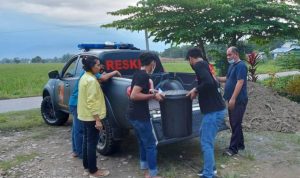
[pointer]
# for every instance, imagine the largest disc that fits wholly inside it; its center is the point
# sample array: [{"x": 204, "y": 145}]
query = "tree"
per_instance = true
[
  {"x": 198, "y": 22},
  {"x": 66, "y": 57},
  {"x": 176, "y": 52},
  {"x": 6, "y": 61},
  {"x": 16, "y": 60},
  {"x": 37, "y": 59}
]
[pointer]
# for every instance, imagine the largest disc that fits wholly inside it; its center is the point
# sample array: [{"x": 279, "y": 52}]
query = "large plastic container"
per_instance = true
[{"x": 176, "y": 114}]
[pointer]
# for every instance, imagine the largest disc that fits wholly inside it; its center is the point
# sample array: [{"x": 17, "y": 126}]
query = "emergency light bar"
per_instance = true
[{"x": 89, "y": 46}]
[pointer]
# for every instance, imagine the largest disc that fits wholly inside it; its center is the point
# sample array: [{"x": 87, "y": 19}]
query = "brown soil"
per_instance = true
[{"x": 267, "y": 111}]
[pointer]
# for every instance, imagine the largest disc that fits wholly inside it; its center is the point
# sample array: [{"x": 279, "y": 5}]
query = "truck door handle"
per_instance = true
[{"x": 67, "y": 85}]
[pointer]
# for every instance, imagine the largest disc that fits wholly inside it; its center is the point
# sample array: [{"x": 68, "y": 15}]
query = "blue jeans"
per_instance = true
[
  {"x": 147, "y": 145},
  {"x": 210, "y": 125},
  {"x": 77, "y": 132},
  {"x": 90, "y": 141}
]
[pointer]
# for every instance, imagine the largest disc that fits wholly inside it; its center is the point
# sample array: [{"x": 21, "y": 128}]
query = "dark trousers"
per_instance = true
[
  {"x": 236, "y": 119},
  {"x": 90, "y": 140}
]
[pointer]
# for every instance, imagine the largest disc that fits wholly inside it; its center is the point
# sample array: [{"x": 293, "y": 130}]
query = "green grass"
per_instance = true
[
  {"x": 20, "y": 121},
  {"x": 270, "y": 66},
  {"x": 178, "y": 67},
  {"x": 24, "y": 80},
  {"x": 19, "y": 159}
]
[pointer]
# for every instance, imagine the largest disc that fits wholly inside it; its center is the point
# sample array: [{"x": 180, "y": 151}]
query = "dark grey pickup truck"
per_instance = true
[{"x": 124, "y": 58}]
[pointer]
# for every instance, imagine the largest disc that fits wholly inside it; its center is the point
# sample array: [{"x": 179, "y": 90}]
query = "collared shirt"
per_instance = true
[
  {"x": 237, "y": 71},
  {"x": 90, "y": 98},
  {"x": 74, "y": 97}
]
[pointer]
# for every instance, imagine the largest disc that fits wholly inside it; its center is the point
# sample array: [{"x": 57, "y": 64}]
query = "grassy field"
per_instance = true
[
  {"x": 178, "y": 67},
  {"x": 23, "y": 80},
  {"x": 268, "y": 67},
  {"x": 20, "y": 121}
]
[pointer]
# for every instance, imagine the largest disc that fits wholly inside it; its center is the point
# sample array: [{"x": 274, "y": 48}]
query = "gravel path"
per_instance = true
[{"x": 279, "y": 74}]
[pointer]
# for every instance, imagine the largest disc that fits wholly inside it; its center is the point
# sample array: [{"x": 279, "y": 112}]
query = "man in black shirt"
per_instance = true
[
  {"x": 139, "y": 115},
  {"x": 212, "y": 107}
]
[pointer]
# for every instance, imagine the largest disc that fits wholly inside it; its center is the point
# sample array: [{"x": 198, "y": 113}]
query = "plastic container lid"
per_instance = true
[{"x": 175, "y": 93}]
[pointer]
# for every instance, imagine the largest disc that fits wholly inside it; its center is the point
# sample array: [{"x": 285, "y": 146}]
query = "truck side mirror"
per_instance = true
[{"x": 53, "y": 74}]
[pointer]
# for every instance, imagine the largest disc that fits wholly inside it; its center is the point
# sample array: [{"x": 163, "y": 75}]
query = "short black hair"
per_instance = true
[
  {"x": 88, "y": 62},
  {"x": 194, "y": 53},
  {"x": 147, "y": 57}
]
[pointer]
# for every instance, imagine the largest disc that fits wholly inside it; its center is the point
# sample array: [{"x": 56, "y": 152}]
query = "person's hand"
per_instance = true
[
  {"x": 231, "y": 104},
  {"x": 117, "y": 73},
  {"x": 152, "y": 91},
  {"x": 158, "y": 97},
  {"x": 99, "y": 125},
  {"x": 192, "y": 94}
]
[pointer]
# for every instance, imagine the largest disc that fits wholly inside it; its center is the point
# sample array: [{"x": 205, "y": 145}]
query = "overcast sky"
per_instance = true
[{"x": 53, "y": 27}]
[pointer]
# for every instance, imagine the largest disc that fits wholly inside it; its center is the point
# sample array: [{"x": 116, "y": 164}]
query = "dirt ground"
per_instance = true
[
  {"x": 46, "y": 152},
  {"x": 267, "y": 111},
  {"x": 272, "y": 148}
]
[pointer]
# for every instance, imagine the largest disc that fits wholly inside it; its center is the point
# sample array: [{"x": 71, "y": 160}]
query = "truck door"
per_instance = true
[{"x": 66, "y": 83}]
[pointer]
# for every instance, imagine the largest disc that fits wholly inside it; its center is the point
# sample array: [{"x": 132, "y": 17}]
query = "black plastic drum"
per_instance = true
[{"x": 176, "y": 114}]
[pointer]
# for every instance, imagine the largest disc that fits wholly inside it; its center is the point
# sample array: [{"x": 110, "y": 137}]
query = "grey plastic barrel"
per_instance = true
[{"x": 176, "y": 114}]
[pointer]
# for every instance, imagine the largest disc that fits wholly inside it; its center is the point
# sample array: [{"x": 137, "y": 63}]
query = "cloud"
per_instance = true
[{"x": 72, "y": 12}]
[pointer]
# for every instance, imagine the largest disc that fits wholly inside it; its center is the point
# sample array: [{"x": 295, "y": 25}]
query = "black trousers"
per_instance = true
[
  {"x": 236, "y": 118},
  {"x": 90, "y": 141}
]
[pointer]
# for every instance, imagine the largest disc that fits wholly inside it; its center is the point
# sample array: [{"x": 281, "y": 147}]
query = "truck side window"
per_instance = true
[
  {"x": 79, "y": 68},
  {"x": 70, "y": 71}
]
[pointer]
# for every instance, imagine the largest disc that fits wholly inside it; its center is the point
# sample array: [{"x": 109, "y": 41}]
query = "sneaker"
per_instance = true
[
  {"x": 100, "y": 173},
  {"x": 229, "y": 153},
  {"x": 201, "y": 172},
  {"x": 86, "y": 172},
  {"x": 74, "y": 155}
]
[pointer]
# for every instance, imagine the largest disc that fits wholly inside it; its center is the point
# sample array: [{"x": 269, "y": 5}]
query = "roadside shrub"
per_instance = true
[
  {"x": 253, "y": 61},
  {"x": 293, "y": 89},
  {"x": 285, "y": 86},
  {"x": 291, "y": 61}
]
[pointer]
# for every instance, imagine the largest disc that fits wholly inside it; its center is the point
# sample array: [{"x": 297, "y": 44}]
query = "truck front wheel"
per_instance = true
[
  {"x": 50, "y": 116},
  {"x": 106, "y": 144}
]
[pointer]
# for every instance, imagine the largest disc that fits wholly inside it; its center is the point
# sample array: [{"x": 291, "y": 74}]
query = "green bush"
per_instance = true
[
  {"x": 285, "y": 86},
  {"x": 291, "y": 61},
  {"x": 293, "y": 89}
]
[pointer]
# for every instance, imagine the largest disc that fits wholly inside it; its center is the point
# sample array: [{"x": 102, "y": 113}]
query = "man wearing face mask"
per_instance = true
[
  {"x": 236, "y": 95},
  {"x": 139, "y": 115}
]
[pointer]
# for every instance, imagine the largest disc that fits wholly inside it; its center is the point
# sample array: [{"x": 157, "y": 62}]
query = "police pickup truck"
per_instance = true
[{"x": 124, "y": 58}]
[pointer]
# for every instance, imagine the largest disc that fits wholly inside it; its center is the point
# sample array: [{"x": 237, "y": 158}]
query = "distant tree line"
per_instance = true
[{"x": 38, "y": 59}]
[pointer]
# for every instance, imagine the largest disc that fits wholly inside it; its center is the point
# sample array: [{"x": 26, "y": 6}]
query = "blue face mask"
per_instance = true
[{"x": 231, "y": 61}]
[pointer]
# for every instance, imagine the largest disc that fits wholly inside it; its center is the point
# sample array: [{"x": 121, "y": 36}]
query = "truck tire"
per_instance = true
[
  {"x": 106, "y": 143},
  {"x": 50, "y": 116}
]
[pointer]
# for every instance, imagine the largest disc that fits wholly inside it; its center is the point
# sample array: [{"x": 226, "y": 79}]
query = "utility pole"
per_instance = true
[
  {"x": 147, "y": 40},
  {"x": 146, "y": 32}
]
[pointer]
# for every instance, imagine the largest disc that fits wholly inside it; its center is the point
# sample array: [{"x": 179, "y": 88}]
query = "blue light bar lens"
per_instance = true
[{"x": 87, "y": 46}]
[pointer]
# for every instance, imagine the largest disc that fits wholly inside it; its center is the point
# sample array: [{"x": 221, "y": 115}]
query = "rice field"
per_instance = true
[{"x": 25, "y": 80}]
